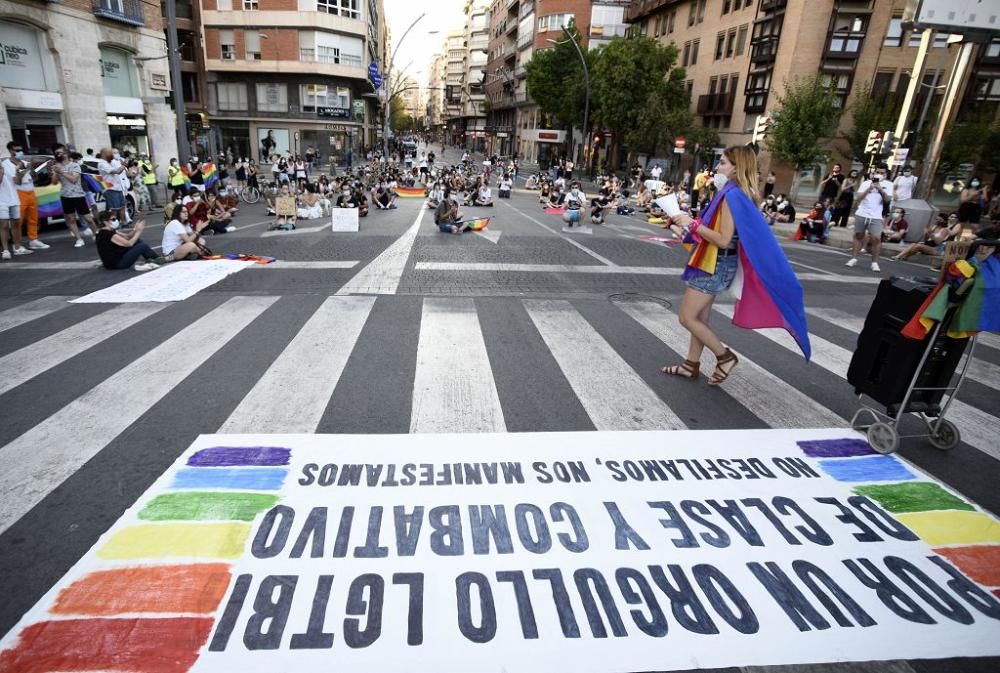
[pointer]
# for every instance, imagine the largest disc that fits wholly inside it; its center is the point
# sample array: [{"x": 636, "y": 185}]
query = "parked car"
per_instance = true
[{"x": 88, "y": 165}]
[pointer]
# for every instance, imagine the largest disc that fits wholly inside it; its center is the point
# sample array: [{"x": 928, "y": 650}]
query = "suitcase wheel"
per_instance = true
[
  {"x": 947, "y": 437},
  {"x": 883, "y": 438}
]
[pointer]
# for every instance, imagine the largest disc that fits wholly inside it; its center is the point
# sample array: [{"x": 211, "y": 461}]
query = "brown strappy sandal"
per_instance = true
[
  {"x": 687, "y": 370},
  {"x": 720, "y": 374}
]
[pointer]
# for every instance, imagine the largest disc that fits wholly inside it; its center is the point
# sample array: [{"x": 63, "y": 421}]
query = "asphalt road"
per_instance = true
[{"x": 516, "y": 298}]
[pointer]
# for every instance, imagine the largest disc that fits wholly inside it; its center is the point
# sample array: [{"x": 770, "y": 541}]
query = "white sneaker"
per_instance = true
[
  {"x": 21, "y": 250},
  {"x": 79, "y": 243},
  {"x": 145, "y": 266},
  {"x": 852, "y": 262},
  {"x": 35, "y": 244},
  {"x": 5, "y": 254},
  {"x": 88, "y": 232},
  {"x": 876, "y": 268},
  {"x": 230, "y": 228}
]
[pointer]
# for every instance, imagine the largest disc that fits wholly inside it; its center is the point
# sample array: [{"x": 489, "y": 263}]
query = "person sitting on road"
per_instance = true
[
  {"x": 229, "y": 201},
  {"x": 532, "y": 182},
  {"x": 310, "y": 207},
  {"x": 813, "y": 226},
  {"x": 545, "y": 192},
  {"x": 220, "y": 218},
  {"x": 448, "y": 217},
  {"x": 784, "y": 212},
  {"x": 574, "y": 205},
  {"x": 643, "y": 198},
  {"x": 934, "y": 239},
  {"x": 601, "y": 204},
  {"x": 484, "y": 197},
  {"x": 898, "y": 226},
  {"x": 197, "y": 210},
  {"x": 285, "y": 221},
  {"x": 769, "y": 208},
  {"x": 557, "y": 197},
  {"x": 383, "y": 197},
  {"x": 657, "y": 215},
  {"x": 360, "y": 196},
  {"x": 120, "y": 251},
  {"x": 435, "y": 195},
  {"x": 180, "y": 241},
  {"x": 505, "y": 185}
]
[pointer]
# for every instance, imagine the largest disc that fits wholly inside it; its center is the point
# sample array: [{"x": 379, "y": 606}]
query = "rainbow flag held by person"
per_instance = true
[
  {"x": 94, "y": 183},
  {"x": 49, "y": 205},
  {"x": 410, "y": 192},
  {"x": 209, "y": 174},
  {"x": 478, "y": 224}
]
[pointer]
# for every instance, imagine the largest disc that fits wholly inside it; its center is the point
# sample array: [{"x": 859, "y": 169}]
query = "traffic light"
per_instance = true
[
  {"x": 889, "y": 143},
  {"x": 761, "y": 128},
  {"x": 874, "y": 143},
  {"x": 597, "y": 139}
]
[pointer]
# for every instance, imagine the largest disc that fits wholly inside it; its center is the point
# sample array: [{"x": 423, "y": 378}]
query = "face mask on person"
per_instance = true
[
  {"x": 178, "y": 201},
  {"x": 897, "y": 216},
  {"x": 19, "y": 155},
  {"x": 346, "y": 193},
  {"x": 974, "y": 183},
  {"x": 719, "y": 180},
  {"x": 907, "y": 172},
  {"x": 115, "y": 223}
]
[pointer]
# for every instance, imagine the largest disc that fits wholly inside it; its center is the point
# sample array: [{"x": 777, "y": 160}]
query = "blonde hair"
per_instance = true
[{"x": 746, "y": 175}]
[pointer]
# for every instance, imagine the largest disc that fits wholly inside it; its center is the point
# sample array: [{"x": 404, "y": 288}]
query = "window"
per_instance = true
[
  {"x": 670, "y": 21},
  {"x": 701, "y": 10},
  {"x": 232, "y": 96},
  {"x": 992, "y": 49},
  {"x": 553, "y": 22},
  {"x": 249, "y": 5},
  {"x": 727, "y": 5},
  {"x": 346, "y": 8},
  {"x": 189, "y": 85},
  {"x": 731, "y": 43},
  {"x": 880, "y": 86},
  {"x": 694, "y": 51},
  {"x": 224, "y": 5},
  {"x": 272, "y": 98},
  {"x": 252, "y": 45},
  {"x": 894, "y": 35},
  {"x": 848, "y": 34},
  {"x": 741, "y": 40},
  {"x": 988, "y": 88},
  {"x": 720, "y": 41},
  {"x": 686, "y": 59},
  {"x": 841, "y": 82},
  {"x": 227, "y": 45},
  {"x": 313, "y": 96},
  {"x": 690, "y": 86}
]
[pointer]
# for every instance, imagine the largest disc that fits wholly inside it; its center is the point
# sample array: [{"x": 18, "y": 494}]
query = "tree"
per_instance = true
[
  {"x": 868, "y": 114},
  {"x": 555, "y": 81},
  {"x": 703, "y": 142},
  {"x": 637, "y": 89},
  {"x": 807, "y": 113},
  {"x": 659, "y": 121}
]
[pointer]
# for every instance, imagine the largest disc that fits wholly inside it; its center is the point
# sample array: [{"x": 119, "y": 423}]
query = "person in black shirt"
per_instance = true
[
  {"x": 831, "y": 184},
  {"x": 118, "y": 251},
  {"x": 360, "y": 199}
]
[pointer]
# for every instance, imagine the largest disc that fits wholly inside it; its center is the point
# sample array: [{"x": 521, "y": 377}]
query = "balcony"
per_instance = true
[
  {"x": 310, "y": 56},
  {"x": 764, "y": 48},
  {"x": 716, "y": 104},
  {"x": 772, "y": 5},
  {"x": 844, "y": 45},
  {"x": 520, "y": 72},
  {"x": 525, "y": 40},
  {"x": 274, "y": 19},
  {"x": 511, "y": 27},
  {"x": 642, "y": 8},
  {"x": 608, "y": 31},
  {"x": 122, "y": 11},
  {"x": 288, "y": 67}
]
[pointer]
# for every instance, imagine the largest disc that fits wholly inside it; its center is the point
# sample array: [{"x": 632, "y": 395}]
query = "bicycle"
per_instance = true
[{"x": 249, "y": 194}]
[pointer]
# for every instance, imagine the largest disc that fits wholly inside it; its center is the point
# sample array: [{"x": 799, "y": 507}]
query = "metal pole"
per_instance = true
[
  {"x": 586, "y": 82},
  {"x": 956, "y": 84},
  {"x": 916, "y": 77},
  {"x": 173, "y": 58}
]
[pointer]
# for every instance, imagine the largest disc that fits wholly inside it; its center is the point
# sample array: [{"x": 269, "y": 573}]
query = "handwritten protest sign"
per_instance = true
[
  {"x": 284, "y": 206},
  {"x": 601, "y": 552},
  {"x": 344, "y": 219}
]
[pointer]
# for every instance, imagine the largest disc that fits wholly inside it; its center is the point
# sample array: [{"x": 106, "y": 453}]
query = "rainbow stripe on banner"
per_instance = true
[
  {"x": 94, "y": 183},
  {"x": 478, "y": 224},
  {"x": 49, "y": 205},
  {"x": 410, "y": 192},
  {"x": 209, "y": 173}
]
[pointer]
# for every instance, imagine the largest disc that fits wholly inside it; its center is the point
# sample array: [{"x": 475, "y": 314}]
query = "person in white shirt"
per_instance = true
[
  {"x": 484, "y": 197},
  {"x": 506, "y": 184},
  {"x": 179, "y": 239},
  {"x": 872, "y": 196},
  {"x": 12, "y": 171},
  {"x": 575, "y": 199},
  {"x": 423, "y": 167},
  {"x": 656, "y": 172},
  {"x": 903, "y": 186},
  {"x": 111, "y": 170}
]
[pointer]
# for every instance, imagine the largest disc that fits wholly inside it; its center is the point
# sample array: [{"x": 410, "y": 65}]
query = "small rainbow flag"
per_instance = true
[
  {"x": 94, "y": 183},
  {"x": 49, "y": 205},
  {"x": 411, "y": 192},
  {"x": 209, "y": 174},
  {"x": 478, "y": 224}
]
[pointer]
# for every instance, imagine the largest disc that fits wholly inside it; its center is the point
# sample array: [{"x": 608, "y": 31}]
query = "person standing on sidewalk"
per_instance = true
[
  {"x": 873, "y": 195},
  {"x": 111, "y": 170},
  {"x": 71, "y": 194},
  {"x": 29, "y": 206},
  {"x": 12, "y": 169},
  {"x": 149, "y": 179}
]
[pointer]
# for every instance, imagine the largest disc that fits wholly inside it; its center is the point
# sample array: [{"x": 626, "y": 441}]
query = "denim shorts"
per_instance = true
[
  {"x": 10, "y": 212},
  {"x": 114, "y": 199},
  {"x": 718, "y": 282}
]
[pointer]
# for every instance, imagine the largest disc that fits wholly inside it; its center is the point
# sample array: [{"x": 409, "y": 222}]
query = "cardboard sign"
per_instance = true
[
  {"x": 601, "y": 552},
  {"x": 344, "y": 220},
  {"x": 284, "y": 206}
]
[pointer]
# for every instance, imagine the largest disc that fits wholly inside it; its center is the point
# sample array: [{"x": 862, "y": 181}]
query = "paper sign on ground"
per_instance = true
[
  {"x": 172, "y": 282},
  {"x": 593, "y": 552},
  {"x": 344, "y": 219}
]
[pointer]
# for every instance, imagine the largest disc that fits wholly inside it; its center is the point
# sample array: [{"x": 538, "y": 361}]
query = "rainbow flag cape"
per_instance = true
[
  {"x": 478, "y": 224},
  {"x": 49, "y": 204},
  {"x": 410, "y": 192},
  {"x": 769, "y": 294},
  {"x": 94, "y": 183},
  {"x": 209, "y": 173}
]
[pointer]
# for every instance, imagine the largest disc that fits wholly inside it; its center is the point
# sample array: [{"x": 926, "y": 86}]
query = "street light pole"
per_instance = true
[
  {"x": 387, "y": 109},
  {"x": 586, "y": 81},
  {"x": 173, "y": 58}
]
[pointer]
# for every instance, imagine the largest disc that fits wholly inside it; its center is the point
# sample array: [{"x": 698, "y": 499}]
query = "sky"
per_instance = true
[{"x": 418, "y": 47}]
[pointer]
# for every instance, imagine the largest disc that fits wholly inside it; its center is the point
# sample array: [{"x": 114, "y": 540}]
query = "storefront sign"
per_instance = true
[
  {"x": 358, "y": 107},
  {"x": 158, "y": 81},
  {"x": 340, "y": 112},
  {"x": 21, "y": 57},
  {"x": 120, "y": 124},
  {"x": 598, "y": 551},
  {"x": 32, "y": 100}
]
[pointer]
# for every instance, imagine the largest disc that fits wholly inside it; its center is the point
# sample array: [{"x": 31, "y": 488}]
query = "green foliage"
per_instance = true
[
  {"x": 640, "y": 95},
  {"x": 701, "y": 141},
  {"x": 974, "y": 142},
  {"x": 806, "y": 114},
  {"x": 868, "y": 114},
  {"x": 555, "y": 81}
]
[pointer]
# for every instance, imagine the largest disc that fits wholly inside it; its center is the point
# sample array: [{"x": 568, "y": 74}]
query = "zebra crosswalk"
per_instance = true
[{"x": 603, "y": 354}]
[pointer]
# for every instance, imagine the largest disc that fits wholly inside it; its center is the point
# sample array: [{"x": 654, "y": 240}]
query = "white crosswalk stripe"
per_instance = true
[
  {"x": 978, "y": 428},
  {"x": 294, "y": 391},
  {"x": 32, "y": 310},
  {"x": 40, "y": 459},
  {"x": 454, "y": 390},
  {"x": 30, "y": 361},
  {"x": 613, "y": 394}
]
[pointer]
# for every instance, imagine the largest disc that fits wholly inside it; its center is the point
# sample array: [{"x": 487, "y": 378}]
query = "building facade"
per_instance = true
[
  {"x": 289, "y": 75},
  {"x": 436, "y": 94},
  {"x": 91, "y": 73},
  {"x": 739, "y": 54}
]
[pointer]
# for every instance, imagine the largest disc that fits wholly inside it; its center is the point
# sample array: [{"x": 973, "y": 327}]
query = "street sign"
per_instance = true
[
  {"x": 900, "y": 156},
  {"x": 678, "y": 150},
  {"x": 374, "y": 75},
  {"x": 502, "y": 134},
  {"x": 679, "y": 143}
]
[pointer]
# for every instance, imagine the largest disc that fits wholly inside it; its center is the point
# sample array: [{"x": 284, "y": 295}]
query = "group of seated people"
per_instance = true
[
  {"x": 468, "y": 190},
  {"x": 610, "y": 196},
  {"x": 213, "y": 210}
]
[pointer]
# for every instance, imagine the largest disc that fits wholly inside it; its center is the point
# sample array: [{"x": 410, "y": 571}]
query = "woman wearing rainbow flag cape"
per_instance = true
[{"x": 731, "y": 245}]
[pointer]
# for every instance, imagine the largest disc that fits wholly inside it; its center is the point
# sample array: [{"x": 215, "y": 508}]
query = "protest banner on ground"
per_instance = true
[
  {"x": 345, "y": 220},
  {"x": 172, "y": 282},
  {"x": 596, "y": 552}
]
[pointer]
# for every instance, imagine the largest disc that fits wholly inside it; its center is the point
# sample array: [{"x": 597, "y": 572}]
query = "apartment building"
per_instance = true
[
  {"x": 456, "y": 55},
  {"x": 287, "y": 75},
  {"x": 739, "y": 54},
  {"x": 436, "y": 92},
  {"x": 91, "y": 73}
]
